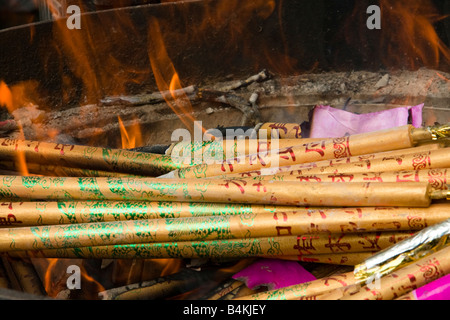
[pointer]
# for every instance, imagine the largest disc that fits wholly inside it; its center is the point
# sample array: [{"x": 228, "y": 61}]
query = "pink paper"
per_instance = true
[
  {"x": 436, "y": 290},
  {"x": 328, "y": 122},
  {"x": 273, "y": 274}
]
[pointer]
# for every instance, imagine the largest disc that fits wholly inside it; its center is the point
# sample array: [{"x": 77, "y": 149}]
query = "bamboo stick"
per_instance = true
[
  {"x": 411, "y": 194},
  {"x": 77, "y": 156},
  {"x": 129, "y": 248},
  {"x": 367, "y": 143}
]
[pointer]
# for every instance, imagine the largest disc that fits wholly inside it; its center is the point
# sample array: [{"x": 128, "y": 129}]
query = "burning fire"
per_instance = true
[
  {"x": 408, "y": 36},
  {"x": 166, "y": 76},
  {"x": 132, "y": 137},
  {"x": 55, "y": 278},
  {"x": 6, "y": 99},
  {"x": 413, "y": 22}
]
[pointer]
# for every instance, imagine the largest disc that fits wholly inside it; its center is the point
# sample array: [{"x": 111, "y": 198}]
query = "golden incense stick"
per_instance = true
[
  {"x": 92, "y": 158},
  {"x": 197, "y": 152},
  {"x": 21, "y": 214},
  {"x": 433, "y": 159},
  {"x": 406, "y": 279},
  {"x": 57, "y": 170},
  {"x": 410, "y": 194},
  {"x": 304, "y": 290},
  {"x": 348, "y": 259},
  {"x": 103, "y": 245},
  {"x": 27, "y": 277},
  {"x": 359, "y": 144},
  {"x": 437, "y": 178},
  {"x": 280, "y": 219},
  {"x": 361, "y": 159},
  {"x": 280, "y": 130}
]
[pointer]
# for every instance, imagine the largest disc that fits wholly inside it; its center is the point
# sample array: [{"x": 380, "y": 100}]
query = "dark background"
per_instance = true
[{"x": 299, "y": 36}]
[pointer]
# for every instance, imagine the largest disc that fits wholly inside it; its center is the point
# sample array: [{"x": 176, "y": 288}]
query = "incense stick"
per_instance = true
[
  {"x": 437, "y": 178},
  {"x": 410, "y": 194},
  {"x": 102, "y": 245},
  {"x": 280, "y": 219},
  {"x": 433, "y": 159},
  {"x": 348, "y": 259},
  {"x": 304, "y": 290},
  {"x": 77, "y": 156},
  {"x": 38, "y": 213},
  {"x": 363, "y": 160}
]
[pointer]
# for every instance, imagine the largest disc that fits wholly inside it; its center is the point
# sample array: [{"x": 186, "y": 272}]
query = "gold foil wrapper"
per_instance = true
[
  {"x": 423, "y": 243},
  {"x": 439, "y": 131}
]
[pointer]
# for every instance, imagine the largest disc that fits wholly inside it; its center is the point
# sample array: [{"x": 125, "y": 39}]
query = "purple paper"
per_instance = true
[
  {"x": 437, "y": 290},
  {"x": 273, "y": 274},
  {"x": 328, "y": 122}
]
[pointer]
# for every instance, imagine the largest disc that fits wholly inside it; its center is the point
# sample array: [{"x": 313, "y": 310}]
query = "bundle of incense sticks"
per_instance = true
[
  {"x": 120, "y": 209},
  {"x": 375, "y": 162},
  {"x": 358, "y": 144},
  {"x": 389, "y": 274},
  {"x": 293, "y": 193},
  {"x": 86, "y": 157}
]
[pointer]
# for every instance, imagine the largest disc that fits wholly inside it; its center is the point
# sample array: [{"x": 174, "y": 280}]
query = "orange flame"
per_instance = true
[
  {"x": 53, "y": 284},
  {"x": 170, "y": 266},
  {"x": 413, "y": 22},
  {"x": 132, "y": 137},
  {"x": 48, "y": 282},
  {"x": 166, "y": 77},
  {"x": 93, "y": 60},
  {"x": 407, "y": 38},
  {"x": 7, "y": 100}
]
